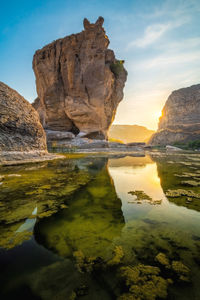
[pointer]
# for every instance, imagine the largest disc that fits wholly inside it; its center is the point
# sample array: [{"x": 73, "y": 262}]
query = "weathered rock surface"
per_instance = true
[
  {"x": 22, "y": 137},
  {"x": 20, "y": 128},
  {"x": 180, "y": 121},
  {"x": 79, "y": 83}
]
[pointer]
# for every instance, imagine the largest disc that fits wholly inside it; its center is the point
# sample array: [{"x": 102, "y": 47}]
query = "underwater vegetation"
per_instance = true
[
  {"x": 141, "y": 196},
  {"x": 91, "y": 221},
  {"x": 172, "y": 170},
  {"x": 67, "y": 234}
]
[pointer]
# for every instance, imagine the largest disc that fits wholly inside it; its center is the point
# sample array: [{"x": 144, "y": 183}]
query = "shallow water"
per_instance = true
[{"x": 68, "y": 227}]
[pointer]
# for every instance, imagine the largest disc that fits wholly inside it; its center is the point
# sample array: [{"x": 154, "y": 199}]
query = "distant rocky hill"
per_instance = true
[
  {"x": 79, "y": 84},
  {"x": 180, "y": 121},
  {"x": 130, "y": 133}
]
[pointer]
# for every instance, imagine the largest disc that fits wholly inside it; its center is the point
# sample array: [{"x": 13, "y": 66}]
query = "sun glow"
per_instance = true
[{"x": 158, "y": 114}]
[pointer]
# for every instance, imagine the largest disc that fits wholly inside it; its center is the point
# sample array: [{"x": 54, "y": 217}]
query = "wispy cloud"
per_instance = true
[
  {"x": 168, "y": 60},
  {"x": 156, "y": 31},
  {"x": 152, "y": 34}
]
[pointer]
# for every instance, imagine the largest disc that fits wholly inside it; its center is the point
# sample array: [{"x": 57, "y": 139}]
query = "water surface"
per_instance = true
[{"x": 70, "y": 229}]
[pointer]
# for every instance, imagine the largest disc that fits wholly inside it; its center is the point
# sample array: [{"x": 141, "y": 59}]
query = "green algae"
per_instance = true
[
  {"x": 118, "y": 254},
  {"x": 191, "y": 182},
  {"x": 141, "y": 197},
  {"x": 82, "y": 226},
  {"x": 90, "y": 223},
  {"x": 144, "y": 282},
  {"x": 182, "y": 271},
  {"x": 162, "y": 259},
  {"x": 83, "y": 263},
  {"x": 47, "y": 190},
  {"x": 181, "y": 192}
]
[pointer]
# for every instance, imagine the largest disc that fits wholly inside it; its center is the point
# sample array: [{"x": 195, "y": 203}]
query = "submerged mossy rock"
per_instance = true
[
  {"x": 182, "y": 271},
  {"x": 162, "y": 259},
  {"x": 38, "y": 192},
  {"x": 83, "y": 263},
  {"x": 142, "y": 197},
  {"x": 92, "y": 221},
  {"x": 143, "y": 282},
  {"x": 171, "y": 171}
]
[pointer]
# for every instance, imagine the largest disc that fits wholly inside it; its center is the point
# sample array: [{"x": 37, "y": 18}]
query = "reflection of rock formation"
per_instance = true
[
  {"x": 90, "y": 223},
  {"x": 138, "y": 161},
  {"x": 79, "y": 82},
  {"x": 180, "y": 121},
  {"x": 36, "y": 191},
  {"x": 174, "y": 171}
]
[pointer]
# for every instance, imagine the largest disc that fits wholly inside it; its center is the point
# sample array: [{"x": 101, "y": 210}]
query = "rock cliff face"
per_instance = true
[
  {"x": 20, "y": 128},
  {"x": 180, "y": 121},
  {"x": 79, "y": 83}
]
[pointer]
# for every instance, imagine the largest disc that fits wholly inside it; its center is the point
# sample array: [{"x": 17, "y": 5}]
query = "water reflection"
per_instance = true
[
  {"x": 132, "y": 174},
  {"x": 180, "y": 178},
  {"x": 92, "y": 220},
  {"x": 95, "y": 205}
]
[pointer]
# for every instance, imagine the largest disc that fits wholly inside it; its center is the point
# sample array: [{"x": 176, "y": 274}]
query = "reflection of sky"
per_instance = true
[
  {"x": 29, "y": 224},
  {"x": 159, "y": 41},
  {"x": 145, "y": 178},
  {"x": 128, "y": 179}
]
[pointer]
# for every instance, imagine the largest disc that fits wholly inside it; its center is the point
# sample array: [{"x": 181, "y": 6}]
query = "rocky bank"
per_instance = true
[
  {"x": 79, "y": 84},
  {"x": 22, "y": 137},
  {"x": 180, "y": 120}
]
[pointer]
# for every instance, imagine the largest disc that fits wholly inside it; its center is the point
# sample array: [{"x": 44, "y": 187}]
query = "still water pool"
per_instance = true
[{"x": 101, "y": 228}]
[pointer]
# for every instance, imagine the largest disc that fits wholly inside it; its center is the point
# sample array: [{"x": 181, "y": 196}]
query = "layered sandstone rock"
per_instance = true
[
  {"x": 79, "y": 83},
  {"x": 21, "y": 133},
  {"x": 180, "y": 121}
]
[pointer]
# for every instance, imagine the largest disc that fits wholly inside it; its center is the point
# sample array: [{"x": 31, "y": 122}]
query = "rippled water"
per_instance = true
[{"x": 88, "y": 227}]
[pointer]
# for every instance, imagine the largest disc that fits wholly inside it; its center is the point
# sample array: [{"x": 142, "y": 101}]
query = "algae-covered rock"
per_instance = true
[
  {"x": 191, "y": 182},
  {"x": 83, "y": 263},
  {"x": 179, "y": 179},
  {"x": 118, "y": 255},
  {"x": 45, "y": 190},
  {"x": 90, "y": 223},
  {"x": 162, "y": 259},
  {"x": 144, "y": 282},
  {"x": 142, "y": 197},
  {"x": 182, "y": 271}
]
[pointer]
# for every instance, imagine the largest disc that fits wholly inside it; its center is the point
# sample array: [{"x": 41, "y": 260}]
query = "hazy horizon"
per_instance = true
[{"x": 159, "y": 41}]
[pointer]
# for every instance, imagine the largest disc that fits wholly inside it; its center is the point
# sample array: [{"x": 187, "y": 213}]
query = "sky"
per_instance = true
[{"x": 158, "y": 39}]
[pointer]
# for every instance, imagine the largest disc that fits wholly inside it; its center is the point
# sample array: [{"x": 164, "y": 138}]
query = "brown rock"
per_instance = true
[
  {"x": 180, "y": 121},
  {"x": 20, "y": 128},
  {"x": 79, "y": 82}
]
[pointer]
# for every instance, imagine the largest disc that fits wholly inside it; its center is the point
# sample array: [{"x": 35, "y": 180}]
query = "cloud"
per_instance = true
[
  {"x": 156, "y": 31},
  {"x": 152, "y": 34},
  {"x": 168, "y": 60}
]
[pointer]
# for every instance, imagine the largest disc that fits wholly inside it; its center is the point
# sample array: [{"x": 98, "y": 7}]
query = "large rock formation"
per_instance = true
[
  {"x": 180, "y": 121},
  {"x": 20, "y": 127},
  {"x": 79, "y": 83}
]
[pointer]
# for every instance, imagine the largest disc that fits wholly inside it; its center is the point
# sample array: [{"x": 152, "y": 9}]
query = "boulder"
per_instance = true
[
  {"x": 79, "y": 83},
  {"x": 22, "y": 137},
  {"x": 20, "y": 127},
  {"x": 53, "y": 135},
  {"x": 180, "y": 120}
]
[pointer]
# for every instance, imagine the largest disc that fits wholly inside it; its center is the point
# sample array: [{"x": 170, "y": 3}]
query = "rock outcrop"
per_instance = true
[
  {"x": 21, "y": 133},
  {"x": 180, "y": 120},
  {"x": 79, "y": 83}
]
